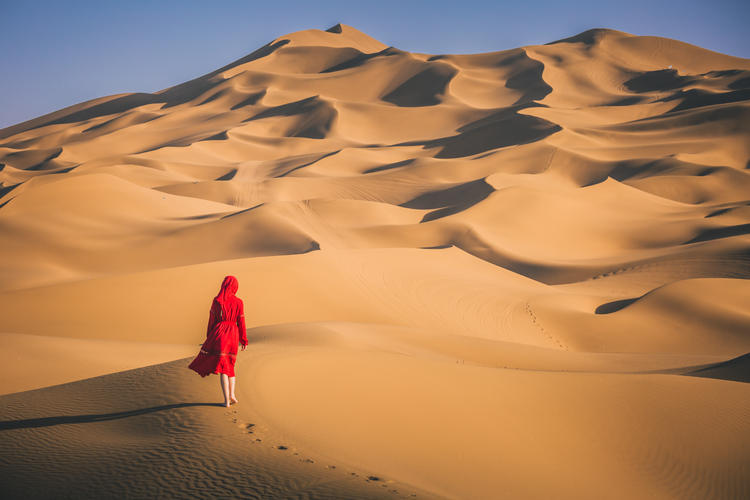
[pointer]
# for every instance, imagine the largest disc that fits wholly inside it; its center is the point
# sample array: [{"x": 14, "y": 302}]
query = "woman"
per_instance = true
[{"x": 226, "y": 328}]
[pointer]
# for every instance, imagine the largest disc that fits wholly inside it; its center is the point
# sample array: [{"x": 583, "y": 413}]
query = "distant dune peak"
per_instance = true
[
  {"x": 592, "y": 36},
  {"x": 337, "y": 28},
  {"x": 339, "y": 35}
]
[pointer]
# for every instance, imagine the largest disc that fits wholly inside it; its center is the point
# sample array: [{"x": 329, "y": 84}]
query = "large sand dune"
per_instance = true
[{"x": 520, "y": 274}]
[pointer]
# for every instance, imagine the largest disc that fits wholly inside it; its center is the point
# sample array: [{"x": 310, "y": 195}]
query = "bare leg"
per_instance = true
[
  {"x": 232, "y": 397},
  {"x": 224, "y": 379}
]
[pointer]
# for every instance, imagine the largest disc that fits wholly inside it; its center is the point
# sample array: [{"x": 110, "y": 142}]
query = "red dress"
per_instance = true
[{"x": 226, "y": 329}]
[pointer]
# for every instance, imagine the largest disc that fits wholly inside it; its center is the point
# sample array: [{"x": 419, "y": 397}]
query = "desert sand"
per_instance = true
[{"x": 518, "y": 274}]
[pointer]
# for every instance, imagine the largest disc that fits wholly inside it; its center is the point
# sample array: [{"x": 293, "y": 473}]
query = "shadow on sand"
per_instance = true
[
  {"x": 736, "y": 369},
  {"x": 83, "y": 419}
]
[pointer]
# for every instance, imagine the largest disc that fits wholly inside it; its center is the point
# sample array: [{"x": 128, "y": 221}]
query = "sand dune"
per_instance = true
[
  {"x": 517, "y": 274},
  {"x": 490, "y": 432},
  {"x": 125, "y": 435}
]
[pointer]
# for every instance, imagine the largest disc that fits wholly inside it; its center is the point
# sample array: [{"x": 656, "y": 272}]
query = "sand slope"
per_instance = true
[
  {"x": 124, "y": 435},
  {"x": 519, "y": 273}
]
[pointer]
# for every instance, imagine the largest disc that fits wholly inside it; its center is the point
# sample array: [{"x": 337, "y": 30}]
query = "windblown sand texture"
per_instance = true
[{"x": 519, "y": 274}]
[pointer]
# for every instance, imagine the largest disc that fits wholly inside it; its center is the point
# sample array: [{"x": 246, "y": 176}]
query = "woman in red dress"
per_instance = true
[{"x": 226, "y": 329}]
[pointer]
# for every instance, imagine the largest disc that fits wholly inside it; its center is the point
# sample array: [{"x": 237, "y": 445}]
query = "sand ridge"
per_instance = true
[{"x": 524, "y": 271}]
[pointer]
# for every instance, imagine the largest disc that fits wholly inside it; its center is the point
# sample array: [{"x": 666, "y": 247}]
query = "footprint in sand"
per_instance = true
[{"x": 541, "y": 328}]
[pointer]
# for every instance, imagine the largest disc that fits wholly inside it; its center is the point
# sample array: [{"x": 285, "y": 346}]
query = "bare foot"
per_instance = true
[
  {"x": 234, "y": 400},
  {"x": 226, "y": 404}
]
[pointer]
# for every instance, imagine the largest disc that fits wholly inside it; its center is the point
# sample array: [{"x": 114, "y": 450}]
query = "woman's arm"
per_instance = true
[
  {"x": 213, "y": 315},
  {"x": 241, "y": 325}
]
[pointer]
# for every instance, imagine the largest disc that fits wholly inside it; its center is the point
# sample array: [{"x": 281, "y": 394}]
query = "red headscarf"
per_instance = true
[{"x": 228, "y": 289}]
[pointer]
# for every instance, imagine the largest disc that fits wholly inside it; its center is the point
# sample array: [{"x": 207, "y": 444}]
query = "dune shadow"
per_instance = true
[
  {"x": 244, "y": 210},
  {"x": 614, "y": 306},
  {"x": 390, "y": 166},
  {"x": 228, "y": 176},
  {"x": 30, "y": 423},
  {"x": 736, "y": 369},
  {"x": 7, "y": 189},
  {"x": 139, "y": 120},
  {"x": 82, "y": 112},
  {"x": 213, "y": 215},
  {"x": 307, "y": 164},
  {"x": 33, "y": 159},
  {"x": 715, "y": 213},
  {"x": 315, "y": 117},
  {"x": 305, "y": 105},
  {"x": 426, "y": 88},
  {"x": 640, "y": 168},
  {"x": 588, "y": 37},
  {"x": 698, "y": 98},
  {"x": 449, "y": 201},
  {"x": 740, "y": 83},
  {"x": 336, "y": 29},
  {"x": 716, "y": 233},
  {"x": 503, "y": 128},
  {"x": 362, "y": 58},
  {"x": 669, "y": 80},
  {"x": 250, "y": 100},
  {"x": 659, "y": 80},
  {"x": 214, "y": 96},
  {"x": 529, "y": 80},
  {"x": 725, "y": 210},
  {"x": 220, "y": 136}
]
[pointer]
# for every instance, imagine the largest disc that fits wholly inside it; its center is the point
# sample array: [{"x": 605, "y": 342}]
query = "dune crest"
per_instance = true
[{"x": 515, "y": 271}]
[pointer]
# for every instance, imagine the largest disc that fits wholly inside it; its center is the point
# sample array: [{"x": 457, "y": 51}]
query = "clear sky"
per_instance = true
[{"x": 58, "y": 53}]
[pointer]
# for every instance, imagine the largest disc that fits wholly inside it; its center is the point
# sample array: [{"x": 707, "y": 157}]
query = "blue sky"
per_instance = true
[{"x": 55, "y": 54}]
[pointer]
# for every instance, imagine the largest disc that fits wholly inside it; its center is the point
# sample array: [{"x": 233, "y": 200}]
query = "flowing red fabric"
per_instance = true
[{"x": 226, "y": 329}]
